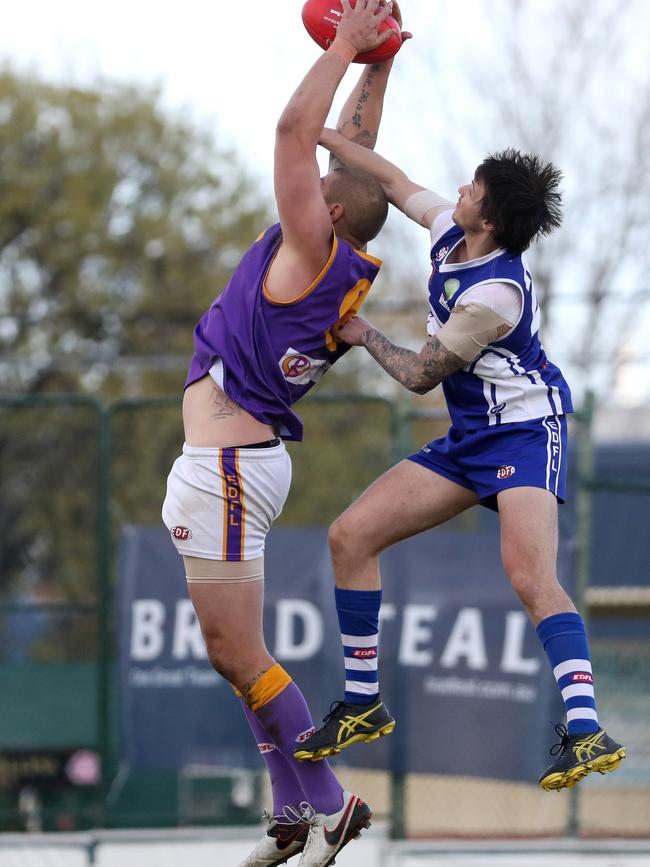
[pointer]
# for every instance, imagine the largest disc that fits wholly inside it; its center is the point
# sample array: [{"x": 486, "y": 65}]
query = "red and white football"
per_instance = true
[{"x": 321, "y": 18}]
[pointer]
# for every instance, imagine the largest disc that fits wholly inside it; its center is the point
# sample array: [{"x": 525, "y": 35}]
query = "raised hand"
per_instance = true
[
  {"x": 360, "y": 25},
  {"x": 397, "y": 15}
]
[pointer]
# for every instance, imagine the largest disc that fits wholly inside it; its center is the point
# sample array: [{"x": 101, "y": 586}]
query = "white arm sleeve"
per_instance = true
[
  {"x": 505, "y": 299},
  {"x": 441, "y": 223}
]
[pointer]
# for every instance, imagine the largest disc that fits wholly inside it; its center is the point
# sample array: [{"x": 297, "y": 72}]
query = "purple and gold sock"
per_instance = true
[
  {"x": 282, "y": 712},
  {"x": 285, "y": 786}
]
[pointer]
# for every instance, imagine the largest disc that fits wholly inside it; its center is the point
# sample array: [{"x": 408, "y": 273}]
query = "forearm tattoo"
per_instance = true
[
  {"x": 363, "y": 98},
  {"x": 365, "y": 137},
  {"x": 419, "y": 372},
  {"x": 222, "y": 406}
]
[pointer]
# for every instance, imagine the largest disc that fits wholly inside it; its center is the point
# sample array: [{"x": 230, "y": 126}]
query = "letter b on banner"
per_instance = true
[{"x": 147, "y": 635}]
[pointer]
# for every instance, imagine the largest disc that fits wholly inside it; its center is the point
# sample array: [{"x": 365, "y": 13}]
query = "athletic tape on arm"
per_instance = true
[
  {"x": 419, "y": 203},
  {"x": 470, "y": 328}
]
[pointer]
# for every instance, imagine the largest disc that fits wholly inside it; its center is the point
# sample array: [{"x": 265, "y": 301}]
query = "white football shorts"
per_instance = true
[{"x": 220, "y": 503}]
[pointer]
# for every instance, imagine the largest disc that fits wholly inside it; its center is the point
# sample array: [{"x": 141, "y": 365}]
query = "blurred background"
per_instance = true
[{"x": 136, "y": 150}]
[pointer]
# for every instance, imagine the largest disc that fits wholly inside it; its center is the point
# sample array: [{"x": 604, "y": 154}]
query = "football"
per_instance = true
[{"x": 321, "y": 18}]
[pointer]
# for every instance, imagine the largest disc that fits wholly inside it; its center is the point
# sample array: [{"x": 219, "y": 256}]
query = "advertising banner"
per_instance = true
[{"x": 461, "y": 668}]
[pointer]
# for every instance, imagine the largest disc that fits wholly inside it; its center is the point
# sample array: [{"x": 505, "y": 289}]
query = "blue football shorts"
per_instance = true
[{"x": 492, "y": 459}]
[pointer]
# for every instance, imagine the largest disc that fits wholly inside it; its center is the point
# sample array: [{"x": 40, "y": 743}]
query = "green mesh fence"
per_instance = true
[{"x": 73, "y": 472}]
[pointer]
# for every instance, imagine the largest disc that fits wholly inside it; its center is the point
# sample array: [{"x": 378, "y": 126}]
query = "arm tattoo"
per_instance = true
[
  {"x": 357, "y": 117},
  {"x": 438, "y": 361},
  {"x": 419, "y": 372},
  {"x": 222, "y": 405},
  {"x": 365, "y": 137}
]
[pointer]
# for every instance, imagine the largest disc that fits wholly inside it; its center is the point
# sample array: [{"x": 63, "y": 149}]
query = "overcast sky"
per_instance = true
[
  {"x": 235, "y": 69},
  {"x": 232, "y": 67}
]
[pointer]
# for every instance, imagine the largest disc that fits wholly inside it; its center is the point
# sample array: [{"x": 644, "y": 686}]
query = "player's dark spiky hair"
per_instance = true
[{"x": 521, "y": 200}]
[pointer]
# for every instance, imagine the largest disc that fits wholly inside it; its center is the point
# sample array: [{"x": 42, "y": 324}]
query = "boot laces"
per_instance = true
[
  {"x": 334, "y": 707},
  {"x": 303, "y": 813},
  {"x": 272, "y": 822},
  {"x": 562, "y": 732}
]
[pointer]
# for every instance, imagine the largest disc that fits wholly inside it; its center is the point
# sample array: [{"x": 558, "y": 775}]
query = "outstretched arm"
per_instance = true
[
  {"x": 460, "y": 340},
  {"x": 399, "y": 188},
  {"x": 304, "y": 216},
  {"x": 421, "y": 371},
  {"x": 418, "y": 371},
  {"x": 360, "y": 117}
]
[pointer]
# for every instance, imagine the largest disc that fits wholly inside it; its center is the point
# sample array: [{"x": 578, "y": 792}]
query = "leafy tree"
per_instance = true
[{"x": 118, "y": 225}]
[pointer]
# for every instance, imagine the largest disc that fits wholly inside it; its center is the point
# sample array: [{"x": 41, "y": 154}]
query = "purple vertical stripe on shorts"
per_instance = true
[{"x": 233, "y": 504}]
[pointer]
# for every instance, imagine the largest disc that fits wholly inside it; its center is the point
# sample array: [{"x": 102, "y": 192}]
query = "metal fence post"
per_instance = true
[
  {"x": 400, "y": 430},
  {"x": 400, "y": 444},
  {"x": 583, "y": 504},
  {"x": 104, "y": 654},
  {"x": 585, "y": 471}
]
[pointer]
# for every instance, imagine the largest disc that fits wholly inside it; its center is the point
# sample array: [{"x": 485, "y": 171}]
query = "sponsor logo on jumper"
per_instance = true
[
  {"x": 302, "y": 737},
  {"x": 233, "y": 499},
  {"x": 505, "y": 472},
  {"x": 181, "y": 532},
  {"x": 299, "y": 369},
  {"x": 440, "y": 255},
  {"x": 295, "y": 365},
  {"x": 498, "y": 408},
  {"x": 266, "y": 748},
  {"x": 582, "y": 677},
  {"x": 364, "y": 653},
  {"x": 451, "y": 286}
]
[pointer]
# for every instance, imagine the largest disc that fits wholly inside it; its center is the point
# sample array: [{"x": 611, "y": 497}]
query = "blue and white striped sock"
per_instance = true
[
  {"x": 358, "y": 612},
  {"x": 564, "y": 639}
]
